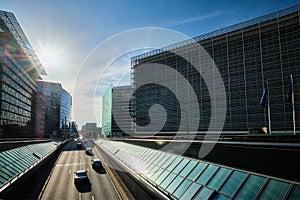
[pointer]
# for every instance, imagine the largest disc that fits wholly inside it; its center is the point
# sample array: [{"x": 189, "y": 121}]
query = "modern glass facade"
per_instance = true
[
  {"x": 107, "y": 112},
  {"x": 116, "y": 107},
  {"x": 19, "y": 69},
  {"x": 57, "y": 109},
  {"x": 65, "y": 108},
  {"x": 246, "y": 55}
]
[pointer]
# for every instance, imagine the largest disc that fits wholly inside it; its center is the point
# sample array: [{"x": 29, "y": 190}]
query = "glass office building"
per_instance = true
[
  {"x": 56, "y": 113},
  {"x": 19, "y": 69},
  {"x": 247, "y": 55},
  {"x": 116, "y": 111}
]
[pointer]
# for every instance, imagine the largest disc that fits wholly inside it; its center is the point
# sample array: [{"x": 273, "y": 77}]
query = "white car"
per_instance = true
[{"x": 80, "y": 176}]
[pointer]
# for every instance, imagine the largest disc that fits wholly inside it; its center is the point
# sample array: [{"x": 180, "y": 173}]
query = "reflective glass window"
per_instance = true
[
  {"x": 191, "y": 191},
  {"x": 233, "y": 182},
  {"x": 174, "y": 184},
  {"x": 4, "y": 175},
  {"x": 162, "y": 177},
  {"x": 274, "y": 190},
  {"x": 3, "y": 161},
  {"x": 182, "y": 188},
  {"x": 219, "y": 178},
  {"x": 180, "y": 166},
  {"x": 162, "y": 160},
  {"x": 251, "y": 187},
  {"x": 174, "y": 163},
  {"x": 188, "y": 168},
  {"x": 204, "y": 194},
  {"x": 2, "y": 180},
  {"x": 9, "y": 173},
  {"x": 167, "y": 181},
  {"x": 196, "y": 171},
  {"x": 207, "y": 174},
  {"x": 168, "y": 162},
  {"x": 221, "y": 197},
  {"x": 158, "y": 158},
  {"x": 156, "y": 174},
  {"x": 295, "y": 192}
]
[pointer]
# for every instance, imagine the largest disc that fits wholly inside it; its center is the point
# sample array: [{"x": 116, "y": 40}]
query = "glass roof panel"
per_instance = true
[
  {"x": 216, "y": 182},
  {"x": 156, "y": 174},
  {"x": 295, "y": 192},
  {"x": 162, "y": 177},
  {"x": 182, "y": 188},
  {"x": 221, "y": 197},
  {"x": 233, "y": 182},
  {"x": 274, "y": 190},
  {"x": 188, "y": 168},
  {"x": 168, "y": 162},
  {"x": 204, "y": 194},
  {"x": 167, "y": 181},
  {"x": 196, "y": 171},
  {"x": 191, "y": 191},
  {"x": 171, "y": 188},
  {"x": 180, "y": 166},
  {"x": 2, "y": 180},
  {"x": 162, "y": 160},
  {"x": 251, "y": 187},
  {"x": 174, "y": 163},
  {"x": 207, "y": 174}
]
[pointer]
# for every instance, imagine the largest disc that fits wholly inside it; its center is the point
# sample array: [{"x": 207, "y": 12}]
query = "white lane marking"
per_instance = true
[
  {"x": 87, "y": 169},
  {"x": 79, "y": 196},
  {"x": 63, "y": 165},
  {"x": 92, "y": 197},
  {"x": 69, "y": 171}
]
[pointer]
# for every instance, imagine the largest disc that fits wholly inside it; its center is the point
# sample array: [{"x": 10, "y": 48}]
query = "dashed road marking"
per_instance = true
[{"x": 63, "y": 165}]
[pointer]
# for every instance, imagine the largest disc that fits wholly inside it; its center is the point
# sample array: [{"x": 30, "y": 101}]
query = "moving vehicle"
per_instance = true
[
  {"x": 79, "y": 145},
  {"x": 89, "y": 151},
  {"x": 81, "y": 176},
  {"x": 96, "y": 163}
]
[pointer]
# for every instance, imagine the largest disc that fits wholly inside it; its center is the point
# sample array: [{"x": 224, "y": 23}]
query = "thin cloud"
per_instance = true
[{"x": 194, "y": 19}]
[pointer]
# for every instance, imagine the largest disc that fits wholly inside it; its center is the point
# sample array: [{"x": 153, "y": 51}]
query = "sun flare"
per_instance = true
[{"x": 50, "y": 57}]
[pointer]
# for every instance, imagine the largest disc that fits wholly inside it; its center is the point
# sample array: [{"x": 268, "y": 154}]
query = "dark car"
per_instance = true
[
  {"x": 89, "y": 151},
  {"x": 96, "y": 163},
  {"x": 80, "y": 176},
  {"x": 79, "y": 145}
]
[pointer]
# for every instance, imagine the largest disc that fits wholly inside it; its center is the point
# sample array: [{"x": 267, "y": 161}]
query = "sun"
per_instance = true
[{"x": 50, "y": 57}]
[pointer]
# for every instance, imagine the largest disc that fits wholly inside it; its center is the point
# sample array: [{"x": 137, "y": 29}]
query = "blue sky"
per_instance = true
[{"x": 68, "y": 31}]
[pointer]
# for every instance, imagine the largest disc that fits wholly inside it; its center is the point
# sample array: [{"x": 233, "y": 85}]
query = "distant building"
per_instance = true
[
  {"x": 91, "y": 130},
  {"x": 19, "y": 69},
  {"x": 247, "y": 55},
  {"x": 74, "y": 129},
  {"x": 57, "y": 112},
  {"x": 115, "y": 103}
]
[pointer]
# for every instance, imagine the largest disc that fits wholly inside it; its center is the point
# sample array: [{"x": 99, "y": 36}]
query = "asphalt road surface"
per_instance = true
[{"x": 61, "y": 182}]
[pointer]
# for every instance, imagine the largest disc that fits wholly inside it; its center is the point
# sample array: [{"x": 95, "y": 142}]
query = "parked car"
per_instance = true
[
  {"x": 96, "y": 163},
  {"x": 81, "y": 176}
]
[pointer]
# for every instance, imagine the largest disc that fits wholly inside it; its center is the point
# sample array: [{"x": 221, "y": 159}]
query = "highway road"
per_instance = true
[{"x": 61, "y": 182}]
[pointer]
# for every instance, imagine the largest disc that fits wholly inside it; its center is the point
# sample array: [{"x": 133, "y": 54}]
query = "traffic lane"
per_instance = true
[
  {"x": 61, "y": 183},
  {"x": 100, "y": 178}
]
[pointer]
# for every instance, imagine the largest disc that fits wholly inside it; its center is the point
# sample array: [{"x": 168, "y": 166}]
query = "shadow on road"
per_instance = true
[
  {"x": 83, "y": 187},
  {"x": 100, "y": 170}
]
